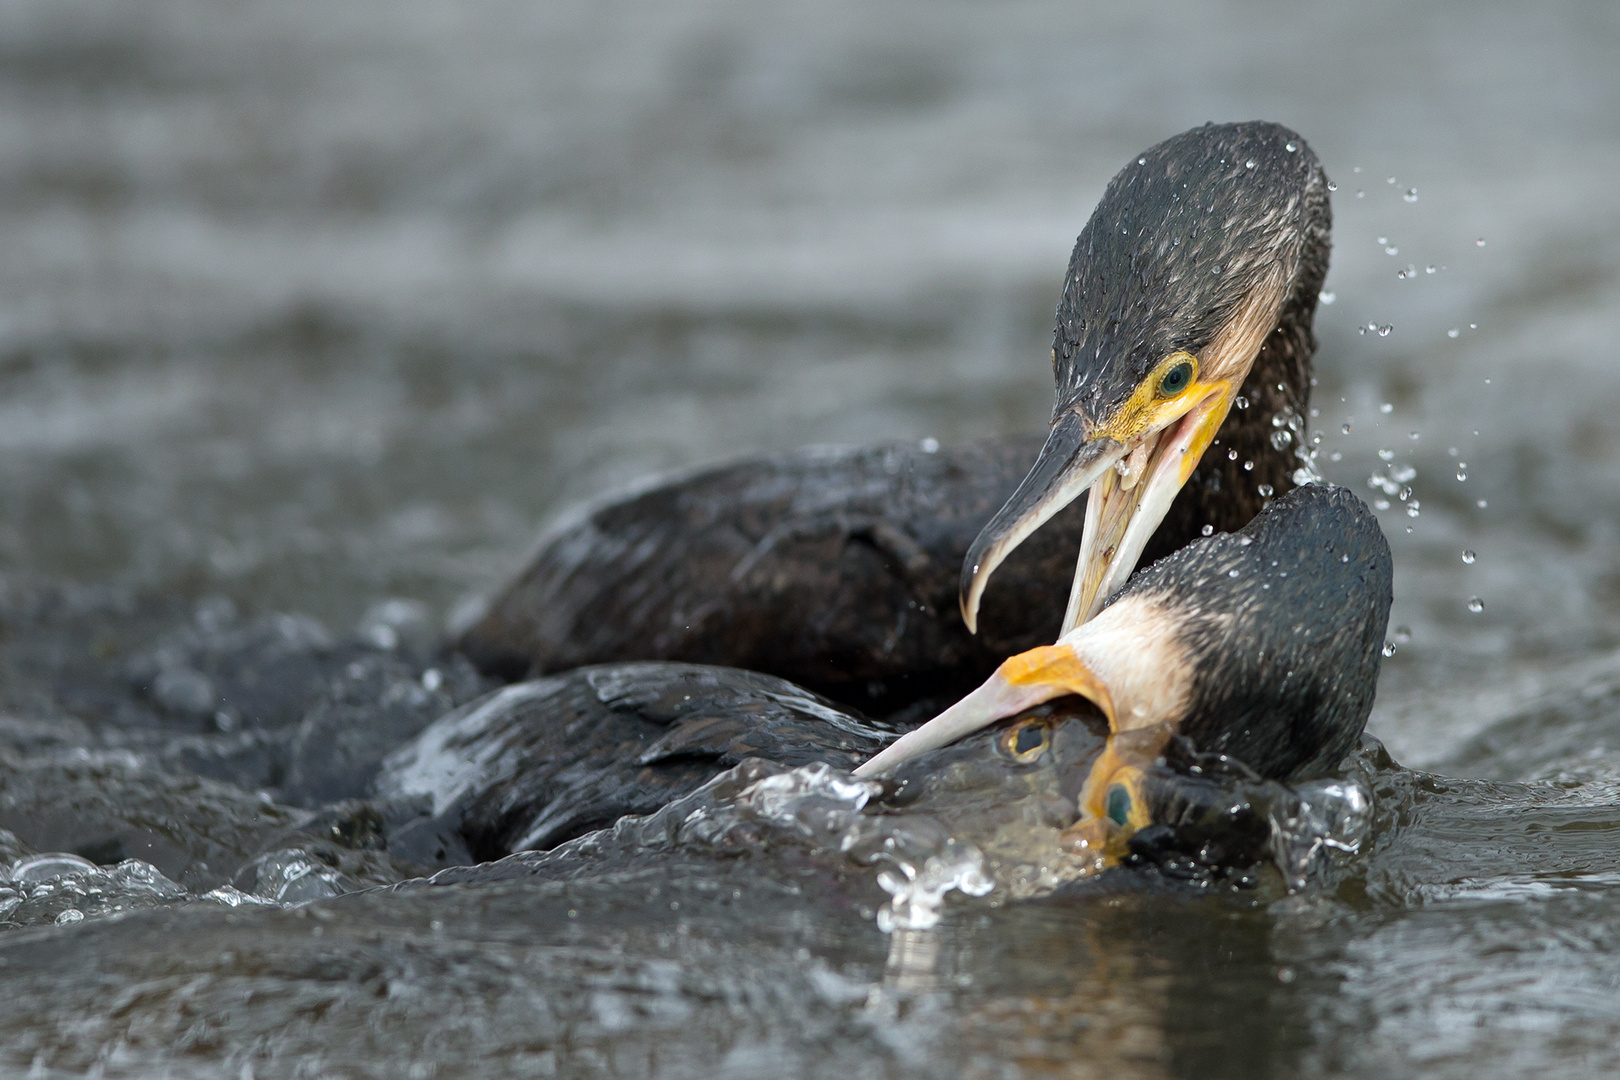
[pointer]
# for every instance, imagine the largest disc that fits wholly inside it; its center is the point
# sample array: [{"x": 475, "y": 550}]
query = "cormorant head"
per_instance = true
[
  {"x": 1189, "y": 260},
  {"x": 1261, "y": 646}
]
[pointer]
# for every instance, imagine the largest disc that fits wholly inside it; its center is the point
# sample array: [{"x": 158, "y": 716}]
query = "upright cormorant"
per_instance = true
[{"x": 1184, "y": 323}]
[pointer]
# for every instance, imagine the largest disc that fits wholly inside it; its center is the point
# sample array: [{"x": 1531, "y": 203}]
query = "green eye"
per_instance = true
[
  {"x": 1176, "y": 379},
  {"x": 1119, "y": 804}
]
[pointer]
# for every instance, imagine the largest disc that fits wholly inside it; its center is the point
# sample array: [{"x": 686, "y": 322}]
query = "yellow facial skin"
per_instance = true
[
  {"x": 1152, "y": 405},
  {"x": 1113, "y": 801},
  {"x": 1058, "y": 671},
  {"x": 1168, "y": 423}
]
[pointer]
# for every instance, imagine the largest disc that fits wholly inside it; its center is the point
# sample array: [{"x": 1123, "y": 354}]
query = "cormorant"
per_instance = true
[{"x": 1184, "y": 323}]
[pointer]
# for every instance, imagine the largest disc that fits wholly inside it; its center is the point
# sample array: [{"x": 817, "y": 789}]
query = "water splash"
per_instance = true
[
  {"x": 1327, "y": 819},
  {"x": 58, "y": 888}
]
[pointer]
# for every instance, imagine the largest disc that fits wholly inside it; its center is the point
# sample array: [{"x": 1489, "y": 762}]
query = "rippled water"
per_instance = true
[{"x": 307, "y": 307}]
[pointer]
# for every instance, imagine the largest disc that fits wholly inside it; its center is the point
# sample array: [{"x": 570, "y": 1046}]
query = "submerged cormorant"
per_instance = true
[
  {"x": 1244, "y": 657},
  {"x": 1185, "y": 322}
]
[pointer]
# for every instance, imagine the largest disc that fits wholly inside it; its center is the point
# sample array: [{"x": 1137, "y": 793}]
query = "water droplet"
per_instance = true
[
  {"x": 1303, "y": 476},
  {"x": 1476, "y": 605},
  {"x": 1141, "y": 161},
  {"x": 1332, "y": 186},
  {"x": 1360, "y": 194},
  {"x": 1380, "y": 504},
  {"x": 1355, "y": 168},
  {"x": 1480, "y": 242},
  {"x": 1468, "y": 556},
  {"x": 1414, "y": 436},
  {"x": 1391, "y": 180},
  {"x": 1122, "y": 466},
  {"x": 1266, "y": 491},
  {"x": 1429, "y": 269},
  {"x": 1453, "y": 332},
  {"x": 1344, "y": 558},
  {"x": 1402, "y": 474},
  {"x": 1412, "y": 509},
  {"x": 1208, "y": 530},
  {"x": 1249, "y": 164},
  {"x": 1231, "y": 455},
  {"x": 1385, "y": 330},
  {"x": 930, "y": 446},
  {"x": 1386, "y": 408},
  {"x": 1391, "y": 249},
  {"x": 1462, "y": 470},
  {"x": 1403, "y": 634},
  {"x": 1481, "y": 504},
  {"x": 1231, "y": 573},
  {"x": 1327, "y": 297},
  {"x": 1386, "y": 454},
  {"x": 1404, "y": 494},
  {"x": 1383, "y": 239},
  {"x": 1248, "y": 466},
  {"x": 1290, "y": 146},
  {"x": 1389, "y": 648},
  {"x": 1240, "y": 402},
  {"x": 1281, "y": 438},
  {"x": 1473, "y": 326},
  {"x": 1345, "y": 427},
  {"x": 1411, "y": 195},
  {"x": 1336, "y": 456}
]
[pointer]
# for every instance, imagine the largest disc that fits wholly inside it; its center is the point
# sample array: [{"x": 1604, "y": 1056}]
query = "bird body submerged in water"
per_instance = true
[
  {"x": 1184, "y": 323},
  {"x": 1260, "y": 647}
]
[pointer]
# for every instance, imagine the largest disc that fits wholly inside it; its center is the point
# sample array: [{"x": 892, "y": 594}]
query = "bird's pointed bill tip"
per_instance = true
[{"x": 1068, "y": 464}]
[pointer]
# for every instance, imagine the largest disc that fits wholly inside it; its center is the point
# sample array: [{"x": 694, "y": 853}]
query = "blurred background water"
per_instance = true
[{"x": 310, "y": 305}]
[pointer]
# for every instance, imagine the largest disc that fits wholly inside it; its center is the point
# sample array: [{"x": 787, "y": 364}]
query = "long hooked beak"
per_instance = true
[
  {"x": 1068, "y": 464},
  {"x": 1121, "y": 515}
]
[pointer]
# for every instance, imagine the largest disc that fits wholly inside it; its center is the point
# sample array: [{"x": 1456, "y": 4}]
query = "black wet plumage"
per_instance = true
[
  {"x": 835, "y": 569},
  {"x": 1181, "y": 238},
  {"x": 546, "y": 761},
  {"x": 1284, "y": 625}
]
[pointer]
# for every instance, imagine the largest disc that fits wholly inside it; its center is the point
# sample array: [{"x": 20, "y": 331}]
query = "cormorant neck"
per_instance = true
[{"x": 1254, "y": 456}]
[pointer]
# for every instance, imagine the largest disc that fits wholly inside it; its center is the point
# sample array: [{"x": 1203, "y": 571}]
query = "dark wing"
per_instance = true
[
  {"x": 541, "y": 762},
  {"x": 836, "y": 569}
]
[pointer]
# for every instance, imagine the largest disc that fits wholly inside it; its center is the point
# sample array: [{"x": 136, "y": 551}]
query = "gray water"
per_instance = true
[{"x": 305, "y": 306}]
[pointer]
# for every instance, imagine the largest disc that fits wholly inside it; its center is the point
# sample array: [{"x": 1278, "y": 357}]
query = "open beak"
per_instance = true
[
  {"x": 1021, "y": 682},
  {"x": 1068, "y": 464},
  {"x": 1125, "y": 509},
  {"x": 1133, "y": 479}
]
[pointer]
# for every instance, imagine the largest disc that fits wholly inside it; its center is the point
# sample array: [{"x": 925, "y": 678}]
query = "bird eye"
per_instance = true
[
  {"x": 1177, "y": 379},
  {"x": 1027, "y": 741},
  {"x": 1118, "y": 804}
]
